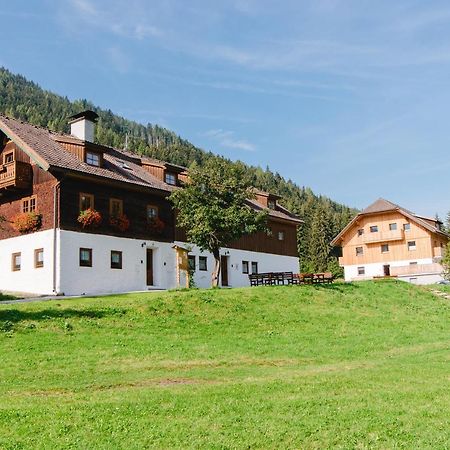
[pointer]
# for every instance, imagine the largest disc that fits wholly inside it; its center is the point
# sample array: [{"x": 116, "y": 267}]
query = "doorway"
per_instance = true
[
  {"x": 224, "y": 270},
  {"x": 387, "y": 270},
  {"x": 149, "y": 267}
]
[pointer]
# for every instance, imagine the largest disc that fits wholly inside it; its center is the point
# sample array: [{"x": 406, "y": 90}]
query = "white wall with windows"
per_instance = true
[
  {"x": 361, "y": 272},
  {"x": 34, "y": 270}
]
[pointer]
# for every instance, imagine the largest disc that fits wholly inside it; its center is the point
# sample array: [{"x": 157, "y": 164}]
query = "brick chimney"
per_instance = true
[{"x": 82, "y": 125}]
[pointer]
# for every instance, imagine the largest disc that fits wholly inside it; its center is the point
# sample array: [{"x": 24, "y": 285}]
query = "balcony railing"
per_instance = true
[
  {"x": 416, "y": 269},
  {"x": 383, "y": 236},
  {"x": 16, "y": 174}
]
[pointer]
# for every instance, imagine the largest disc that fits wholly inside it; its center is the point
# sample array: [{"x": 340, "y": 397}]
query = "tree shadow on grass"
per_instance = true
[
  {"x": 338, "y": 287},
  {"x": 16, "y": 316}
]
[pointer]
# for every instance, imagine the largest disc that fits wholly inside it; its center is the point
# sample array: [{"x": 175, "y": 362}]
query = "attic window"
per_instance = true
[
  {"x": 170, "y": 178},
  {"x": 126, "y": 166},
  {"x": 8, "y": 157},
  {"x": 93, "y": 159},
  {"x": 271, "y": 204}
]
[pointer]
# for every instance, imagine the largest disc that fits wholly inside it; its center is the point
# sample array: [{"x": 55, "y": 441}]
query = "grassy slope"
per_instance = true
[{"x": 363, "y": 365}]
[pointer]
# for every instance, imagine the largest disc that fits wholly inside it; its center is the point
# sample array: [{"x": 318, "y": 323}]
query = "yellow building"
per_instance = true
[{"x": 388, "y": 240}]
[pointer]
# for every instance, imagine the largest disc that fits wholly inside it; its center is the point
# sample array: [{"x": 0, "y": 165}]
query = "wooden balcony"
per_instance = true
[
  {"x": 383, "y": 236},
  {"x": 15, "y": 175},
  {"x": 416, "y": 269}
]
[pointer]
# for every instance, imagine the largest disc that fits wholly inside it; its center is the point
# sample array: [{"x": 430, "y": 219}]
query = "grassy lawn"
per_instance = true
[{"x": 347, "y": 366}]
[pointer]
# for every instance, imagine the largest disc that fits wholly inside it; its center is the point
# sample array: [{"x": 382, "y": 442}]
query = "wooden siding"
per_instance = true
[
  {"x": 156, "y": 171},
  {"x": 398, "y": 247},
  {"x": 134, "y": 207}
]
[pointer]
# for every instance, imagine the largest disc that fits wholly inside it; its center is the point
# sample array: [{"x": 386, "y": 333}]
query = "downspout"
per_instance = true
[{"x": 55, "y": 234}]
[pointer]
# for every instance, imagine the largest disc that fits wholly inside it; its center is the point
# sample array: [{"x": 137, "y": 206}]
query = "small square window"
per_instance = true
[
  {"x": 271, "y": 204},
  {"x": 413, "y": 263},
  {"x": 86, "y": 201},
  {"x": 360, "y": 231},
  {"x": 407, "y": 226},
  {"x": 244, "y": 266},
  {"x": 29, "y": 204},
  {"x": 152, "y": 212},
  {"x": 361, "y": 270},
  {"x": 359, "y": 251},
  {"x": 411, "y": 245},
  {"x": 93, "y": 159},
  {"x": 392, "y": 227},
  {"x": 202, "y": 263},
  {"x": 170, "y": 178},
  {"x": 16, "y": 262},
  {"x": 8, "y": 158},
  {"x": 385, "y": 248},
  {"x": 254, "y": 267},
  {"x": 86, "y": 257},
  {"x": 116, "y": 259},
  {"x": 115, "y": 207},
  {"x": 281, "y": 235},
  {"x": 191, "y": 262},
  {"x": 374, "y": 229},
  {"x": 39, "y": 258}
]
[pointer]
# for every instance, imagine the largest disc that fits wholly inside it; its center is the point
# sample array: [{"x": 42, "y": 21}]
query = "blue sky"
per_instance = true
[{"x": 351, "y": 98}]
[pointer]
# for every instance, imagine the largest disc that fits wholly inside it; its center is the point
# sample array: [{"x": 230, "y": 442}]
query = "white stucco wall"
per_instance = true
[
  {"x": 100, "y": 278},
  {"x": 377, "y": 270},
  {"x": 28, "y": 278}
]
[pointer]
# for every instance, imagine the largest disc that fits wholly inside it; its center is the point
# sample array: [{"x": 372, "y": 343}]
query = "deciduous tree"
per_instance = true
[{"x": 214, "y": 210}]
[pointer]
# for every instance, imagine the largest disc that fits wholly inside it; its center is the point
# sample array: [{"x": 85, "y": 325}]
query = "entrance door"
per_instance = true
[
  {"x": 387, "y": 270},
  {"x": 224, "y": 269},
  {"x": 149, "y": 267}
]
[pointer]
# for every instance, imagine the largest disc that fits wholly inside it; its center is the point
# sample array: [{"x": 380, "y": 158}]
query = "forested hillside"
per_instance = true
[{"x": 323, "y": 217}]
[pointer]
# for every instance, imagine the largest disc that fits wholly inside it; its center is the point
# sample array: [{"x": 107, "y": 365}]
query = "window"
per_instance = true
[
  {"x": 39, "y": 258},
  {"x": 8, "y": 157},
  {"x": 385, "y": 248},
  {"x": 170, "y": 178},
  {"x": 116, "y": 259},
  {"x": 392, "y": 227},
  {"x": 407, "y": 226},
  {"x": 202, "y": 263},
  {"x": 115, "y": 207},
  {"x": 281, "y": 235},
  {"x": 411, "y": 245},
  {"x": 269, "y": 232},
  {"x": 360, "y": 231},
  {"x": 93, "y": 159},
  {"x": 29, "y": 204},
  {"x": 191, "y": 262},
  {"x": 86, "y": 257},
  {"x": 254, "y": 267},
  {"x": 413, "y": 263},
  {"x": 374, "y": 229},
  {"x": 361, "y": 270},
  {"x": 86, "y": 201},
  {"x": 152, "y": 212},
  {"x": 271, "y": 204},
  {"x": 244, "y": 266},
  {"x": 359, "y": 251},
  {"x": 16, "y": 262}
]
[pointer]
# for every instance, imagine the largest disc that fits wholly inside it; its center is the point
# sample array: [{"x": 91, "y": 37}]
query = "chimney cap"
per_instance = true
[{"x": 87, "y": 115}]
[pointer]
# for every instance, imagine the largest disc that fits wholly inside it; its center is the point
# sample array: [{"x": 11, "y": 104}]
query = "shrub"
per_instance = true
[
  {"x": 90, "y": 218},
  {"x": 120, "y": 222},
  {"x": 27, "y": 222}
]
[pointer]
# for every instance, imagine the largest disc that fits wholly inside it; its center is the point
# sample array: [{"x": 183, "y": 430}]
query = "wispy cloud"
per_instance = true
[{"x": 227, "y": 139}]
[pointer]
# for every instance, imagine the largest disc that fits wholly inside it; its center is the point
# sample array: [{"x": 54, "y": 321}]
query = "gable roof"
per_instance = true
[{"x": 381, "y": 205}]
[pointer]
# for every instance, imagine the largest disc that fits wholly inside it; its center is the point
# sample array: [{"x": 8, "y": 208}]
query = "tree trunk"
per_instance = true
[{"x": 216, "y": 271}]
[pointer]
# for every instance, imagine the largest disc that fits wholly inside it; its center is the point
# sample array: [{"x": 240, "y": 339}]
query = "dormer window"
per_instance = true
[
  {"x": 271, "y": 204},
  {"x": 170, "y": 178},
  {"x": 93, "y": 159}
]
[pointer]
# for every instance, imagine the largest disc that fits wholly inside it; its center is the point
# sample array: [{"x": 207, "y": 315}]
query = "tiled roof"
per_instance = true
[
  {"x": 42, "y": 145},
  {"x": 280, "y": 212}
]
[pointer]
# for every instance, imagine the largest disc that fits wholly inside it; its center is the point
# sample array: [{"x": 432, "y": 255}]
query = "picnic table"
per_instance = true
[{"x": 283, "y": 278}]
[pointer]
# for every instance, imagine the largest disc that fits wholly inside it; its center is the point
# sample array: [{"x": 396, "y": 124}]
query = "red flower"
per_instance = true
[
  {"x": 90, "y": 218},
  {"x": 120, "y": 222},
  {"x": 156, "y": 225},
  {"x": 27, "y": 222}
]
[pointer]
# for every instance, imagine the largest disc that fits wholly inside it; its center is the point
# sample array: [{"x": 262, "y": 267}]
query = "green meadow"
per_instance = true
[{"x": 363, "y": 365}]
